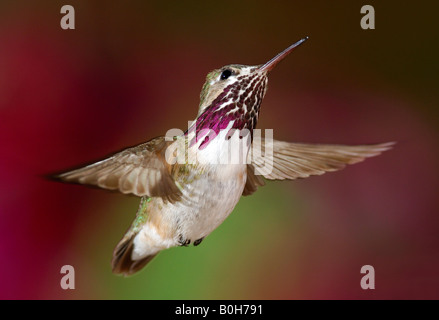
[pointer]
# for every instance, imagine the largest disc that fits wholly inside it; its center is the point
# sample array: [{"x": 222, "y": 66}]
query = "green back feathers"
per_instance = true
[
  {"x": 206, "y": 87},
  {"x": 141, "y": 216}
]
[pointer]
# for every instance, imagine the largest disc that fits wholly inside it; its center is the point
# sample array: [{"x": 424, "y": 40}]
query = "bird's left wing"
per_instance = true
[{"x": 301, "y": 160}]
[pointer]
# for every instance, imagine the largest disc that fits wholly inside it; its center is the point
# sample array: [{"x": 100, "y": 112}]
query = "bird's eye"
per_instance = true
[{"x": 226, "y": 74}]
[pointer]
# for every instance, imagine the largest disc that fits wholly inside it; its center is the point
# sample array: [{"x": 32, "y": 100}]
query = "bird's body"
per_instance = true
[
  {"x": 161, "y": 224},
  {"x": 190, "y": 183}
]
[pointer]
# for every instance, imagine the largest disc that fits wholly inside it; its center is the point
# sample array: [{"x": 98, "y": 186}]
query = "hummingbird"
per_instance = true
[{"x": 182, "y": 202}]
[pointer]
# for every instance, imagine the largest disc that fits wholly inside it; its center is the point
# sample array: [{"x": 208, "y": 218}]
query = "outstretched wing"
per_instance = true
[
  {"x": 300, "y": 160},
  {"x": 141, "y": 170}
]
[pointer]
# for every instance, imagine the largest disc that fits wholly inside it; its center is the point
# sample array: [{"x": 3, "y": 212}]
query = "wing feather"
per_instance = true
[
  {"x": 300, "y": 160},
  {"x": 141, "y": 170}
]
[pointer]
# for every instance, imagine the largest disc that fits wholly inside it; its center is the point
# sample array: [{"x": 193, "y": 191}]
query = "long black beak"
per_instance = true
[{"x": 273, "y": 62}]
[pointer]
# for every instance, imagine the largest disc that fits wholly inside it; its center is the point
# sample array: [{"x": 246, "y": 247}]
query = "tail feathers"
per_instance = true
[{"x": 122, "y": 262}]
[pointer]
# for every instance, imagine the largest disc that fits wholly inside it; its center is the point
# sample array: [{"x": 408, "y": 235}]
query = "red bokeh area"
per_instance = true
[{"x": 130, "y": 72}]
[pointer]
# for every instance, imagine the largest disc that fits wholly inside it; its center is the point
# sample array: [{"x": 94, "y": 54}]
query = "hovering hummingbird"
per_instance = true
[{"x": 183, "y": 202}]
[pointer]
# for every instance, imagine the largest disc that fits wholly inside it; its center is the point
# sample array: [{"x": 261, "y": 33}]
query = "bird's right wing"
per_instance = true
[{"x": 141, "y": 170}]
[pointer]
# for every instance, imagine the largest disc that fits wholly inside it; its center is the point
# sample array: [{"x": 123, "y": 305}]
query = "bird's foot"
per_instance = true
[
  {"x": 183, "y": 241},
  {"x": 197, "y": 242}
]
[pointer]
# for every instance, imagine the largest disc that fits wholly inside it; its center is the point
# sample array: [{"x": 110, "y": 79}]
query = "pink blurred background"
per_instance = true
[{"x": 131, "y": 71}]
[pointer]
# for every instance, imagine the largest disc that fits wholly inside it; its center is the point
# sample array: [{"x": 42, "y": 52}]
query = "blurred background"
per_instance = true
[{"x": 131, "y": 70}]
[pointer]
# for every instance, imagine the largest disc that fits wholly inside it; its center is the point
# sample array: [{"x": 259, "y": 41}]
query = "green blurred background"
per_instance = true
[{"x": 131, "y": 70}]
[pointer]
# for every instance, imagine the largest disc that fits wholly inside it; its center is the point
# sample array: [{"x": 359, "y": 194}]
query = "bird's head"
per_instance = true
[{"x": 231, "y": 96}]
